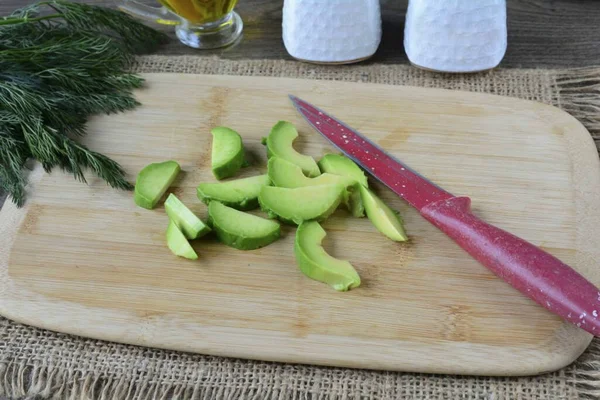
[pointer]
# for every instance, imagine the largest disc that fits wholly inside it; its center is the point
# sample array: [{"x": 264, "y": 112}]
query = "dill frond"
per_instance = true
[{"x": 60, "y": 63}]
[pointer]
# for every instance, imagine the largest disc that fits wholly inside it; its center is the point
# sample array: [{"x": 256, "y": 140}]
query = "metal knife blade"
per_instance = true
[{"x": 401, "y": 179}]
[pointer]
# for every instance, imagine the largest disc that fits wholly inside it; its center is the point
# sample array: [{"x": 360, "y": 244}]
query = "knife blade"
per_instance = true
[
  {"x": 534, "y": 272},
  {"x": 401, "y": 179}
]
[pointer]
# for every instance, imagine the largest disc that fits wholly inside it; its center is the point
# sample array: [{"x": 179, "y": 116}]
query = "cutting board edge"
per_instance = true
[
  {"x": 317, "y": 82},
  {"x": 543, "y": 361}
]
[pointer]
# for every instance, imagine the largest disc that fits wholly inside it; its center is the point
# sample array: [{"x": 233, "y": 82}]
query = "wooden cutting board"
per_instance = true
[{"x": 85, "y": 260}]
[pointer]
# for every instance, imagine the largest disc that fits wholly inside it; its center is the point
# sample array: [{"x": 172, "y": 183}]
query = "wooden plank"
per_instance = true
[
  {"x": 542, "y": 33},
  {"x": 87, "y": 261}
]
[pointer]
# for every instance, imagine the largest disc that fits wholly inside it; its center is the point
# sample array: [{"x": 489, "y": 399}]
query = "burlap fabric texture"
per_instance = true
[{"x": 38, "y": 363}]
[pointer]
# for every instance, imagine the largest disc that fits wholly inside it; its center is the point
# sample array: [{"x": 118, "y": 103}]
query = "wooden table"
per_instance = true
[{"x": 542, "y": 33}]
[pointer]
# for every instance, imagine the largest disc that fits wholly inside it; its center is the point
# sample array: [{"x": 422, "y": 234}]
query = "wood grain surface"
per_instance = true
[
  {"x": 542, "y": 33},
  {"x": 87, "y": 261}
]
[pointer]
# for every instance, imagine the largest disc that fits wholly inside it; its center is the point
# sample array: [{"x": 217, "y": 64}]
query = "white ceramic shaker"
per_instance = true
[
  {"x": 455, "y": 35},
  {"x": 331, "y": 31}
]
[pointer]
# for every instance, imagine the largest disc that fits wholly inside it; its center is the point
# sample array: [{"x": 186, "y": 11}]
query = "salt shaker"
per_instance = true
[
  {"x": 331, "y": 31},
  {"x": 455, "y": 35}
]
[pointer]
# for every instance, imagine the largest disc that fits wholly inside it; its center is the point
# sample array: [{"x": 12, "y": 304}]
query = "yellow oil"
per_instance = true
[{"x": 200, "y": 11}]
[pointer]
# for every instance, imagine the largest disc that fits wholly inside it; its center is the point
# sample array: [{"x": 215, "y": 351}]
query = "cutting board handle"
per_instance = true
[{"x": 534, "y": 272}]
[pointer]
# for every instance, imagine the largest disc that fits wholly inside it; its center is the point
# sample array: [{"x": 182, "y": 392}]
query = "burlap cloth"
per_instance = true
[{"x": 34, "y": 362}]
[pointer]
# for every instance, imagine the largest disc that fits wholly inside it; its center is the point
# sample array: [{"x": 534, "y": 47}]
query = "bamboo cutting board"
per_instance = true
[{"x": 85, "y": 260}]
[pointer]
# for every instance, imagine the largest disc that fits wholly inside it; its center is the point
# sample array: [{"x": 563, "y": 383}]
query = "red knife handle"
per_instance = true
[{"x": 535, "y": 273}]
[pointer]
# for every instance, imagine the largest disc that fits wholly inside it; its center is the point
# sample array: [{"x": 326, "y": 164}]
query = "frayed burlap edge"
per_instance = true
[
  {"x": 586, "y": 374},
  {"x": 579, "y": 94},
  {"x": 576, "y": 91}
]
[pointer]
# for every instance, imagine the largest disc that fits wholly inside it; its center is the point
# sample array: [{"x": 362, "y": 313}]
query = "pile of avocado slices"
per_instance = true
[{"x": 296, "y": 190}]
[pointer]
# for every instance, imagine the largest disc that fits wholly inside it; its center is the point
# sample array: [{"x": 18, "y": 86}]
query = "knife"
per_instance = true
[{"x": 534, "y": 272}]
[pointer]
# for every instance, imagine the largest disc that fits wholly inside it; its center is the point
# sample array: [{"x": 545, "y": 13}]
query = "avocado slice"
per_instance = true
[
  {"x": 286, "y": 174},
  {"x": 315, "y": 263},
  {"x": 241, "y": 230},
  {"x": 301, "y": 204},
  {"x": 340, "y": 165},
  {"x": 178, "y": 243},
  {"x": 227, "y": 152},
  {"x": 355, "y": 203},
  {"x": 279, "y": 143},
  {"x": 383, "y": 218},
  {"x": 153, "y": 181},
  {"x": 241, "y": 194},
  {"x": 191, "y": 226}
]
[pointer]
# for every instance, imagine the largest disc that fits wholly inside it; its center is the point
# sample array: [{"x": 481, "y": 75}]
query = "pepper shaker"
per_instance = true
[
  {"x": 455, "y": 35},
  {"x": 331, "y": 31}
]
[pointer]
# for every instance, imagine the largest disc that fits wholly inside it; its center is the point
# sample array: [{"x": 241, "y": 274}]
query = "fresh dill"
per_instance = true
[{"x": 61, "y": 62}]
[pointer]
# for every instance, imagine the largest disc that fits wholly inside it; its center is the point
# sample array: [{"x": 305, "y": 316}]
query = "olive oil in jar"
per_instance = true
[
  {"x": 201, "y": 24},
  {"x": 200, "y": 11}
]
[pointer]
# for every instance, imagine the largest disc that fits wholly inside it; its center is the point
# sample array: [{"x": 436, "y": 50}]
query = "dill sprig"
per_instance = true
[{"x": 61, "y": 62}]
